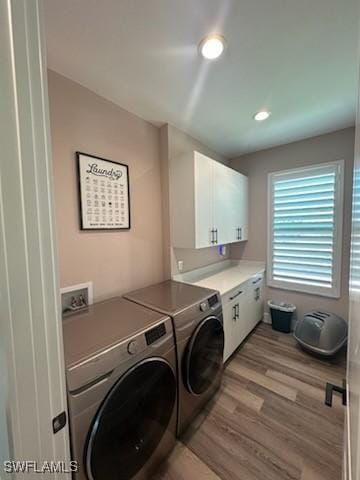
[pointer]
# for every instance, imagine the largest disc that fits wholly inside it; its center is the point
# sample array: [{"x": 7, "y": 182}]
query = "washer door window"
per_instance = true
[
  {"x": 131, "y": 421},
  {"x": 204, "y": 356}
]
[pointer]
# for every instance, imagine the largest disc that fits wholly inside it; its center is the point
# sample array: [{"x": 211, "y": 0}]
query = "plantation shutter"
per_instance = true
[
  {"x": 304, "y": 231},
  {"x": 355, "y": 238}
]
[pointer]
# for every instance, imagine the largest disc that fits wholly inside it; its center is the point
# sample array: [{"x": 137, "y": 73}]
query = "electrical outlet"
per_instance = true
[
  {"x": 76, "y": 297},
  {"x": 180, "y": 264}
]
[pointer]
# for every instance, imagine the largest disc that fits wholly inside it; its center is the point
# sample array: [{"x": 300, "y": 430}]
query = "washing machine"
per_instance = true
[
  {"x": 198, "y": 325},
  {"x": 122, "y": 390}
]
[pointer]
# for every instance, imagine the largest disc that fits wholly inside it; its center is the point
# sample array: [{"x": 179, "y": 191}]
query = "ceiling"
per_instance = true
[{"x": 298, "y": 58}]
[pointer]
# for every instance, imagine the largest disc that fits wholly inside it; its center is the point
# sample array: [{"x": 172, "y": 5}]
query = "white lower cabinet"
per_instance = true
[
  {"x": 243, "y": 308},
  {"x": 257, "y": 299},
  {"x": 233, "y": 310}
]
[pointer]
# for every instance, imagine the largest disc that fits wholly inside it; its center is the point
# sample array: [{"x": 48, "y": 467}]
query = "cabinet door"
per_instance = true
[
  {"x": 229, "y": 318},
  {"x": 254, "y": 302},
  {"x": 230, "y": 204},
  {"x": 235, "y": 319},
  {"x": 226, "y": 192},
  {"x": 203, "y": 200},
  {"x": 242, "y": 318},
  {"x": 257, "y": 298},
  {"x": 242, "y": 210}
]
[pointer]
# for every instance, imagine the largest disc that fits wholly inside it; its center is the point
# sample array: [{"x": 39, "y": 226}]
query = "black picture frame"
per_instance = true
[{"x": 83, "y": 224}]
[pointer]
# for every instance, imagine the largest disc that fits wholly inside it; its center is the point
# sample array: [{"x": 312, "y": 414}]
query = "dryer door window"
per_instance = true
[
  {"x": 204, "y": 356},
  {"x": 131, "y": 421}
]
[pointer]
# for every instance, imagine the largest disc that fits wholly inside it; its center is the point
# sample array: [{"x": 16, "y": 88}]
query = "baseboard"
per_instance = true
[{"x": 267, "y": 318}]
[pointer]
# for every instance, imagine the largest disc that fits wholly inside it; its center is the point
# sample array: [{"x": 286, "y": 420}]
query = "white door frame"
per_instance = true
[
  {"x": 352, "y": 418},
  {"x": 351, "y": 464},
  {"x": 30, "y": 320}
]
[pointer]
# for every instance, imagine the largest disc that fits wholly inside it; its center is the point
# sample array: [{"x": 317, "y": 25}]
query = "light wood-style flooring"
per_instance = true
[{"x": 269, "y": 421}]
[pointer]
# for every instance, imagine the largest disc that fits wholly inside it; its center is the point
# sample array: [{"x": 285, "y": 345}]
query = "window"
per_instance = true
[
  {"x": 305, "y": 229},
  {"x": 355, "y": 236}
]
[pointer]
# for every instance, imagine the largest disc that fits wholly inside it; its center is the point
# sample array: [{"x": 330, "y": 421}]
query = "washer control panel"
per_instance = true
[
  {"x": 139, "y": 343},
  {"x": 211, "y": 302}
]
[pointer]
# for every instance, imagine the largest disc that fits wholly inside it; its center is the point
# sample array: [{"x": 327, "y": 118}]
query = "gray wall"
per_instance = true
[
  {"x": 81, "y": 120},
  {"x": 324, "y": 148}
]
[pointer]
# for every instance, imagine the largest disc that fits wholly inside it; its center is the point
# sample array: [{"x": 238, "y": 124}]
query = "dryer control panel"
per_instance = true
[{"x": 155, "y": 333}]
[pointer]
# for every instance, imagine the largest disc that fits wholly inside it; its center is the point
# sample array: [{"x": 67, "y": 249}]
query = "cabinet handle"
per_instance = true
[
  {"x": 212, "y": 236},
  {"x": 216, "y": 237},
  {"x": 240, "y": 233},
  {"x": 257, "y": 280},
  {"x": 330, "y": 388},
  {"x": 237, "y": 311},
  {"x": 236, "y": 295},
  {"x": 234, "y": 313}
]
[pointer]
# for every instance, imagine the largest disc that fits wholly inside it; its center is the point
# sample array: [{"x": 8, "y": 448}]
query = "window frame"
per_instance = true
[{"x": 335, "y": 290}]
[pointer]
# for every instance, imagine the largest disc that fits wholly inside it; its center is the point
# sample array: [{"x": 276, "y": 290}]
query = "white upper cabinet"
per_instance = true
[
  {"x": 243, "y": 210},
  {"x": 230, "y": 204},
  {"x": 202, "y": 233},
  {"x": 225, "y": 203},
  {"x": 208, "y": 202}
]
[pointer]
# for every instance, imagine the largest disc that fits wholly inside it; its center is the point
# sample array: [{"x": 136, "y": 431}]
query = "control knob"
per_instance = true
[
  {"x": 203, "y": 306},
  {"x": 132, "y": 347}
]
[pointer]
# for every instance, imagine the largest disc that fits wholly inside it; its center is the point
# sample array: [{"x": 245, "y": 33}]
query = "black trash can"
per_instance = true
[{"x": 281, "y": 315}]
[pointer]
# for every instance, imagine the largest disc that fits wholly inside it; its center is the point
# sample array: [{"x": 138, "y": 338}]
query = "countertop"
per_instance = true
[{"x": 222, "y": 276}]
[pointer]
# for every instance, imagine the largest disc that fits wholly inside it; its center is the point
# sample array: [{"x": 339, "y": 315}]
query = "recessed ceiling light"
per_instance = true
[
  {"x": 212, "y": 46},
  {"x": 262, "y": 115}
]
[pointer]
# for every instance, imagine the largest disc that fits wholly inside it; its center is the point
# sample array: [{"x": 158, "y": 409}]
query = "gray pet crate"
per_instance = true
[{"x": 321, "y": 333}]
